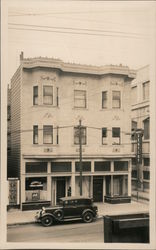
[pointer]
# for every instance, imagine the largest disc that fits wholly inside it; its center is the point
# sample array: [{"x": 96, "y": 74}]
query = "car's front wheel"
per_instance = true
[
  {"x": 88, "y": 217},
  {"x": 47, "y": 221}
]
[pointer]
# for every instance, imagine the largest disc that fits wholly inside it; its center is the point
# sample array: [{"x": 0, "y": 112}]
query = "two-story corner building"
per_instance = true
[
  {"x": 141, "y": 120},
  {"x": 49, "y": 97}
]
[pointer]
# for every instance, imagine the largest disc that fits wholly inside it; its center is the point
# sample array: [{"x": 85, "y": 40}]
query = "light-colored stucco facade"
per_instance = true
[
  {"x": 141, "y": 120},
  {"x": 54, "y": 165}
]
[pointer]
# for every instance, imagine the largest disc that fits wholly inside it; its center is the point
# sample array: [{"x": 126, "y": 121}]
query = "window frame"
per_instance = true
[
  {"x": 35, "y": 129},
  {"x": 35, "y": 95},
  {"x": 85, "y": 136},
  {"x": 104, "y": 141},
  {"x": 44, "y": 134},
  {"x": 104, "y": 100},
  {"x": 146, "y": 136},
  {"x": 116, "y": 99},
  {"x": 113, "y": 143},
  {"x": 145, "y": 93},
  {"x": 80, "y": 99},
  {"x": 45, "y": 95}
]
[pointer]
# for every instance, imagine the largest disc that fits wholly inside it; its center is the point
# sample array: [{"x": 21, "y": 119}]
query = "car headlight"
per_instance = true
[{"x": 43, "y": 210}]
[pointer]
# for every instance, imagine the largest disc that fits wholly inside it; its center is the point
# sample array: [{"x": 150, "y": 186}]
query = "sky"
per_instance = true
[{"x": 86, "y": 32}]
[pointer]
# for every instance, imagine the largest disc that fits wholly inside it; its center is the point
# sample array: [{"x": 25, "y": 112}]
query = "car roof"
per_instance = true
[{"x": 74, "y": 198}]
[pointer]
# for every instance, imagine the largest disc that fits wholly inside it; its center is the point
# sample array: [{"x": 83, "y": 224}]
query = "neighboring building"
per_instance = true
[
  {"x": 9, "y": 173},
  {"x": 141, "y": 120},
  {"x": 48, "y": 98}
]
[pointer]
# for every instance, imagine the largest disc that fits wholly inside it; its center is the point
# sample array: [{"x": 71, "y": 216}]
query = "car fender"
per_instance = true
[
  {"x": 42, "y": 216},
  {"x": 56, "y": 212},
  {"x": 88, "y": 210}
]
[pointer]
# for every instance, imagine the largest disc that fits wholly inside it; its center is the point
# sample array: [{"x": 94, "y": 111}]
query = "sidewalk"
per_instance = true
[{"x": 16, "y": 217}]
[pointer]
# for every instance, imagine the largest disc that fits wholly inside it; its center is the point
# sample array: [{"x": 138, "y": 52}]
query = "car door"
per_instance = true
[{"x": 70, "y": 208}]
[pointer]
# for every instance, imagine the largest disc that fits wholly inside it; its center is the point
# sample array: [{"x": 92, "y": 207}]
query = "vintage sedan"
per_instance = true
[{"x": 68, "y": 208}]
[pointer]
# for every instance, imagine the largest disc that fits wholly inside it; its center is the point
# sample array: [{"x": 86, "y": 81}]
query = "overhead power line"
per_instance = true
[
  {"x": 77, "y": 33},
  {"x": 79, "y": 29}
]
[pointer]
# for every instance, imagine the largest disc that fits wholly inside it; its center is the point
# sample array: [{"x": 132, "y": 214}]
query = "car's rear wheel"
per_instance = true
[
  {"x": 47, "y": 221},
  {"x": 88, "y": 217}
]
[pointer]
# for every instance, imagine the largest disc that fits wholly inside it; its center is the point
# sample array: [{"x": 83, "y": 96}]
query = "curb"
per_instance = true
[
  {"x": 21, "y": 223},
  {"x": 34, "y": 222}
]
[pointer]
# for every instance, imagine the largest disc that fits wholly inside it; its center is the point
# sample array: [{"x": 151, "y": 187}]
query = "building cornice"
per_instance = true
[{"x": 32, "y": 63}]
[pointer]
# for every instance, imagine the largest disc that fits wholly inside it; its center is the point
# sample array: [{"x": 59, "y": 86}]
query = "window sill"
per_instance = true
[
  {"x": 45, "y": 145},
  {"x": 45, "y": 105},
  {"x": 78, "y": 108}
]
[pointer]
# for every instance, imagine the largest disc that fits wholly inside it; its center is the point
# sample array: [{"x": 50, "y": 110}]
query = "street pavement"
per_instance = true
[{"x": 17, "y": 217}]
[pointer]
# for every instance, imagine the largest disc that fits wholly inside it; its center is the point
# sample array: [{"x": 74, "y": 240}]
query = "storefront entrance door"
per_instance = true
[
  {"x": 60, "y": 189},
  {"x": 98, "y": 189}
]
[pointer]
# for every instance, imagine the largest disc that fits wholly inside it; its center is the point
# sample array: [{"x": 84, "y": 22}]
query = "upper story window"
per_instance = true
[
  {"x": 48, "y": 95},
  {"x": 35, "y": 134},
  {"x": 145, "y": 87},
  {"x": 83, "y": 135},
  {"x": 35, "y": 95},
  {"x": 47, "y": 134},
  {"x": 116, "y": 99},
  {"x": 134, "y": 127},
  {"x": 115, "y": 136},
  {"x": 104, "y": 135},
  {"x": 134, "y": 95},
  {"x": 146, "y": 162},
  {"x": 104, "y": 99},
  {"x": 80, "y": 99},
  {"x": 146, "y": 129}
]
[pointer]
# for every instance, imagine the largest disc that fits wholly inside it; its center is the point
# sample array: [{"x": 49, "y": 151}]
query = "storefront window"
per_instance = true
[{"x": 36, "y": 188}]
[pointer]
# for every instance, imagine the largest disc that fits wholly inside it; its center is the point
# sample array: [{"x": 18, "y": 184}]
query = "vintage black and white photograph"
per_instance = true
[{"x": 78, "y": 98}]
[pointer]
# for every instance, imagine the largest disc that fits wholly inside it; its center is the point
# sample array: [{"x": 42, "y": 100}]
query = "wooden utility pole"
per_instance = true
[{"x": 80, "y": 163}]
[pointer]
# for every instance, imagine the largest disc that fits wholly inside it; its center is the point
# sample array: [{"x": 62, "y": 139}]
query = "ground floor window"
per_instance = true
[
  {"x": 118, "y": 187},
  {"x": 36, "y": 188}
]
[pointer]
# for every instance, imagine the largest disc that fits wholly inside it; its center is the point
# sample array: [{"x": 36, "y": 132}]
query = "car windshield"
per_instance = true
[{"x": 60, "y": 202}]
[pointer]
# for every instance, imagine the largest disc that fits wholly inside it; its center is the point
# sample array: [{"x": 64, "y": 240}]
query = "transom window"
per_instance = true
[
  {"x": 47, "y": 134},
  {"x": 83, "y": 135},
  {"x": 80, "y": 98},
  {"x": 48, "y": 95},
  {"x": 116, "y": 99}
]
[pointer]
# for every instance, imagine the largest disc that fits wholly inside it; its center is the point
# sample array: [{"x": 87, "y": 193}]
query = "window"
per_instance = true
[
  {"x": 134, "y": 95},
  {"x": 102, "y": 165},
  {"x": 104, "y": 99},
  {"x": 79, "y": 98},
  {"x": 86, "y": 166},
  {"x": 146, "y": 162},
  {"x": 57, "y": 97},
  {"x": 116, "y": 99},
  {"x": 35, "y": 134},
  {"x": 47, "y": 134},
  {"x": 48, "y": 95},
  {"x": 146, "y": 129},
  {"x": 121, "y": 166},
  {"x": 116, "y": 136},
  {"x": 104, "y": 135},
  {"x": 35, "y": 95},
  {"x": 134, "y": 127},
  {"x": 36, "y": 167},
  {"x": 83, "y": 135},
  {"x": 145, "y": 90}
]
